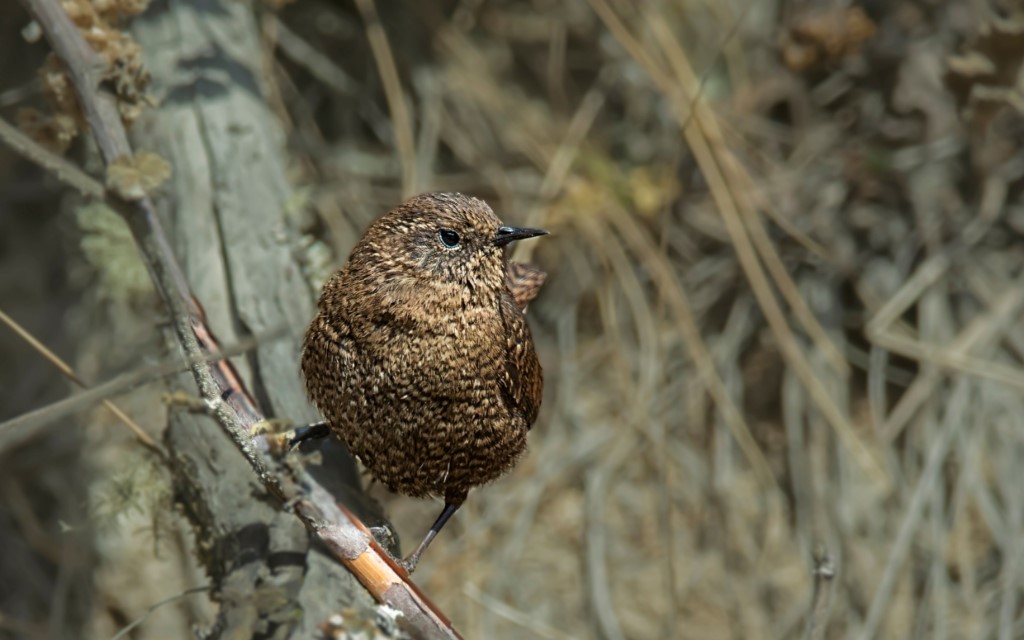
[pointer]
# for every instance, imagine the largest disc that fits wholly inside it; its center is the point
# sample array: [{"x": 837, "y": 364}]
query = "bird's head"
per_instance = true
[{"x": 445, "y": 240}]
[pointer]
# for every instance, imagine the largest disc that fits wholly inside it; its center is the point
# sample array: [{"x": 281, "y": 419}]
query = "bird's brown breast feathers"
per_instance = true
[
  {"x": 420, "y": 359},
  {"x": 465, "y": 384}
]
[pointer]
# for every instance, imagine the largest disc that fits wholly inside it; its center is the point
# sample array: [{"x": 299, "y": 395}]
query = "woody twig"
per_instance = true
[{"x": 219, "y": 384}]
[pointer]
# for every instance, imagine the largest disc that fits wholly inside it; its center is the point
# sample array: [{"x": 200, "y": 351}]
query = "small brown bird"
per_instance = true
[{"x": 420, "y": 358}]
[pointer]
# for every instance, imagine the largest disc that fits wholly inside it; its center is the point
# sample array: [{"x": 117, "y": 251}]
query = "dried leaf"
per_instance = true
[
  {"x": 985, "y": 78},
  {"x": 125, "y": 74},
  {"x": 55, "y": 132},
  {"x": 825, "y": 36},
  {"x": 135, "y": 178}
]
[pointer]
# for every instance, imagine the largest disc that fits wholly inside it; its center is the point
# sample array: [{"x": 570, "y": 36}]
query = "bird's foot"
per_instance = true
[
  {"x": 386, "y": 538},
  {"x": 269, "y": 426},
  {"x": 313, "y": 431},
  {"x": 450, "y": 507},
  {"x": 409, "y": 563}
]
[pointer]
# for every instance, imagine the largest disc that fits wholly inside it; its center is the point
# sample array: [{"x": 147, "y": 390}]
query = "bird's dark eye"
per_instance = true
[{"x": 448, "y": 238}]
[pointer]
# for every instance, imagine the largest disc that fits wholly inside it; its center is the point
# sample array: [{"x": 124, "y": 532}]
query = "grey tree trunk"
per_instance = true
[{"x": 225, "y": 210}]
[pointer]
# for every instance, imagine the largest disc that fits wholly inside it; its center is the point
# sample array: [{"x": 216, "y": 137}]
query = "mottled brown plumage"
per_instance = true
[
  {"x": 420, "y": 358},
  {"x": 525, "y": 281}
]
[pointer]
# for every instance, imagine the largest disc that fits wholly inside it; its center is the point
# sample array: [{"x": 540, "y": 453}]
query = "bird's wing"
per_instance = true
[
  {"x": 327, "y": 351},
  {"x": 525, "y": 281},
  {"x": 521, "y": 381}
]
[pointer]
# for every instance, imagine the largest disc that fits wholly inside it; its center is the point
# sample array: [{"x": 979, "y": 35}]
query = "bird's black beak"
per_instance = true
[{"x": 511, "y": 234}]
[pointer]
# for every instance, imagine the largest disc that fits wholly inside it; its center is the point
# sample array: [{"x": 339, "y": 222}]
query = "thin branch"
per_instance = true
[
  {"x": 219, "y": 384},
  {"x": 86, "y": 69},
  {"x": 319, "y": 66},
  {"x": 28, "y": 425},
  {"x": 598, "y": 581},
  {"x": 821, "y": 600},
  {"x": 954, "y": 420},
  {"x": 176, "y": 597},
  {"x": 58, "y": 167},
  {"x": 400, "y": 117},
  {"x": 70, "y": 374},
  {"x": 523, "y": 619}
]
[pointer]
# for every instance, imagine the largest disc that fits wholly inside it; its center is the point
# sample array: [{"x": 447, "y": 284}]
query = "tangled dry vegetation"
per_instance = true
[
  {"x": 785, "y": 274},
  {"x": 781, "y": 318}
]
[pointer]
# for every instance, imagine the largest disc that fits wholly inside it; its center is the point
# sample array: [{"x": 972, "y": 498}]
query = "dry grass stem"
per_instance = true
[
  {"x": 70, "y": 374},
  {"x": 784, "y": 279}
]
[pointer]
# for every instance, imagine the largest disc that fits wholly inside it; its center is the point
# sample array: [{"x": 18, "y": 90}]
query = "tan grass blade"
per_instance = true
[
  {"x": 718, "y": 165},
  {"x": 401, "y": 118},
  {"x": 70, "y": 374}
]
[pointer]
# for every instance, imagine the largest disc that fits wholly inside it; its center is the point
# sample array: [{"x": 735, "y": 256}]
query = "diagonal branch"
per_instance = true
[{"x": 220, "y": 386}]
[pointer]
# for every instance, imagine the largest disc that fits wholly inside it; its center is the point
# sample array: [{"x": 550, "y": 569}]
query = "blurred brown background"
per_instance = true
[{"x": 782, "y": 317}]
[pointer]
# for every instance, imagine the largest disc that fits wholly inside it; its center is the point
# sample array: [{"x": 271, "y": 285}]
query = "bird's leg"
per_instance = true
[
  {"x": 309, "y": 432},
  {"x": 450, "y": 507}
]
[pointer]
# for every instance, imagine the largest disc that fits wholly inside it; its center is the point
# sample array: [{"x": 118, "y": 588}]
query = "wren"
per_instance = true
[{"x": 419, "y": 357}]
